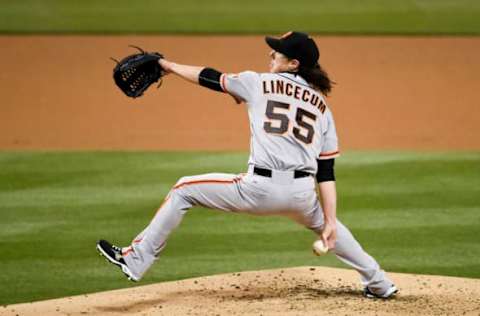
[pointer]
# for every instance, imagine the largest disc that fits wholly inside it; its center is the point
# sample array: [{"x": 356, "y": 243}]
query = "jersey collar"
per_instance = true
[{"x": 294, "y": 77}]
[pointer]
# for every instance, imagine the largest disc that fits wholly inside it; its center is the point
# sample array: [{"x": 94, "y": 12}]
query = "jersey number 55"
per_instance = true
[{"x": 303, "y": 132}]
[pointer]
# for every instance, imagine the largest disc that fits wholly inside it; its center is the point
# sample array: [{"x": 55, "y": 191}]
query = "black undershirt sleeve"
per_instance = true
[
  {"x": 210, "y": 78},
  {"x": 325, "y": 170}
]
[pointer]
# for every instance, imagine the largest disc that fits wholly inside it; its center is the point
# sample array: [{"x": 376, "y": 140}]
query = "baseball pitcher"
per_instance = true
[{"x": 292, "y": 151}]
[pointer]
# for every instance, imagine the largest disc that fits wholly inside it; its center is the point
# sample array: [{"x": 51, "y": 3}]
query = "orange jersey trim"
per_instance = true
[
  {"x": 126, "y": 252},
  {"x": 205, "y": 181},
  {"x": 329, "y": 153},
  {"x": 222, "y": 83},
  {"x": 238, "y": 100},
  {"x": 163, "y": 203}
]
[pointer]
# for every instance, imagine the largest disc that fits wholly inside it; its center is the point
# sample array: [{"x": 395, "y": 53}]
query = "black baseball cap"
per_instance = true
[{"x": 296, "y": 45}]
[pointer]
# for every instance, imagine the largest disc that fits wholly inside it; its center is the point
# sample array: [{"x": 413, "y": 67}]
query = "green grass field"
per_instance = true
[
  {"x": 415, "y": 212},
  {"x": 248, "y": 16}
]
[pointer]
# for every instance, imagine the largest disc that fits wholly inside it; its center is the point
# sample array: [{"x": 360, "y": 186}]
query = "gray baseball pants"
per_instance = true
[{"x": 249, "y": 193}]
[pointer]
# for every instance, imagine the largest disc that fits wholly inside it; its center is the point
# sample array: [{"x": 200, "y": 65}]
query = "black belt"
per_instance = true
[{"x": 268, "y": 173}]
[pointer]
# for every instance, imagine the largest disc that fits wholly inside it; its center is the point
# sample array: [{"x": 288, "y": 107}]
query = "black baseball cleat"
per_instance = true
[
  {"x": 388, "y": 294},
  {"x": 113, "y": 254}
]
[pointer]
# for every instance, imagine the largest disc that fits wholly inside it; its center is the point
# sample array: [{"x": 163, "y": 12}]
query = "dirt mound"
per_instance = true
[{"x": 294, "y": 291}]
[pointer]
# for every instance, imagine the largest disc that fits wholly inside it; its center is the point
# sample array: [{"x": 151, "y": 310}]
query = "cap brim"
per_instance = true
[{"x": 274, "y": 43}]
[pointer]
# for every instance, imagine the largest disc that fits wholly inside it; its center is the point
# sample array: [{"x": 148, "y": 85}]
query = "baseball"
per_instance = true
[{"x": 319, "y": 248}]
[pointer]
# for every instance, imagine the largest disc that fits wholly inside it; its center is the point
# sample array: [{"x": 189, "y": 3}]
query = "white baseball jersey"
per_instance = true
[
  {"x": 291, "y": 127},
  {"x": 290, "y": 123}
]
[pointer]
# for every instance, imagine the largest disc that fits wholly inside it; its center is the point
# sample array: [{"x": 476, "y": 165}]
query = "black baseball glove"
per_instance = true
[{"x": 135, "y": 73}]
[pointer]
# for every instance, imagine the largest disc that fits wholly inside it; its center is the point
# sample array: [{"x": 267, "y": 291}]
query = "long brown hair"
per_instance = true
[{"x": 317, "y": 77}]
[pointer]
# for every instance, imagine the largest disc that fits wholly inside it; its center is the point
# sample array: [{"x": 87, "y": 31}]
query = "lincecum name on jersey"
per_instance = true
[{"x": 293, "y": 90}]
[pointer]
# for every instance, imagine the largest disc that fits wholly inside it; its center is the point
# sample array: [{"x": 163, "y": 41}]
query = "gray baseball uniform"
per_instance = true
[{"x": 291, "y": 126}]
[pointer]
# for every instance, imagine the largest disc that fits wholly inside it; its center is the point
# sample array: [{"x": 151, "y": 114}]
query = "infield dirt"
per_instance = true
[
  {"x": 294, "y": 291},
  {"x": 392, "y": 93}
]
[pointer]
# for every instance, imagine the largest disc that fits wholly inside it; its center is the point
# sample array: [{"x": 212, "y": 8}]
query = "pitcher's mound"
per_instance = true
[{"x": 293, "y": 291}]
